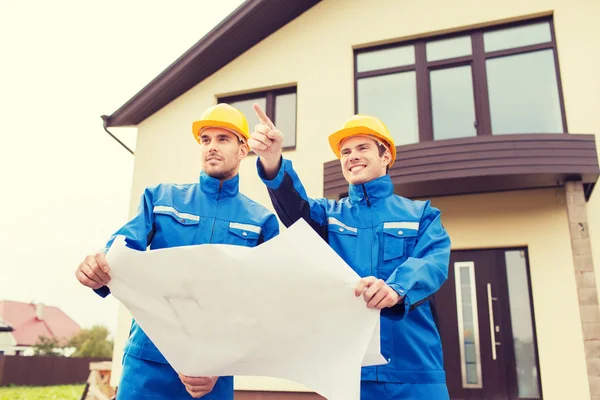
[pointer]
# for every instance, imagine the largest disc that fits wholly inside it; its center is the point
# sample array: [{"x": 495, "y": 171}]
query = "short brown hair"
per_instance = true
[{"x": 382, "y": 149}]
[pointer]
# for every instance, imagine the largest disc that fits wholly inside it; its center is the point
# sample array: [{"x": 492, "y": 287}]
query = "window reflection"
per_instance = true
[
  {"x": 452, "y": 103},
  {"x": 522, "y": 326},
  {"x": 468, "y": 326},
  {"x": 285, "y": 117},
  {"x": 393, "y": 99},
  {"x": 523, "y": 94},
  {"x": 385, "y": 58},
  {"x": 449, "y": 48},
  {"x": 517, "y": 36}
]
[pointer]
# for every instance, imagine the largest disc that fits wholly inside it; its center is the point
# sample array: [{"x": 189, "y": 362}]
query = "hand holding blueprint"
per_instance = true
[{"x": 283, "y": 309}]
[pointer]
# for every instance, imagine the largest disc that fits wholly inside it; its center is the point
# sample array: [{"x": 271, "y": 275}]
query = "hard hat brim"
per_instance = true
[
  {"x": 197, "y": 126},
  {"x": 336, "y": 138}
]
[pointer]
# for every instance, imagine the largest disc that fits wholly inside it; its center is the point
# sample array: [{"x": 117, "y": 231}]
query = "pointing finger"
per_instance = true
[{"x": 262, "y": 116}]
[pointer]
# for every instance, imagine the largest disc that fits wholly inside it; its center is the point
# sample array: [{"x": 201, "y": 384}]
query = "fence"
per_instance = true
[{"x": 44, "y": 371}]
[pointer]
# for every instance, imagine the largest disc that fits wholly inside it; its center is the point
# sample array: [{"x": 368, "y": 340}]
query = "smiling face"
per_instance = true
[
  {"x": 363, "y": 160},
  {"x": 221, "y": 152}
]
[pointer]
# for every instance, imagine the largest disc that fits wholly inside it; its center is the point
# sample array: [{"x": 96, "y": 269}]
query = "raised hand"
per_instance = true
[{"x": 266, "y": 141}]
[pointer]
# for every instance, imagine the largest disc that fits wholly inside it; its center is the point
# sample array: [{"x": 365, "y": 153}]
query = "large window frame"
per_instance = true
[
  {"x": 270, "y": 109},
  {"x": 477, "y": 62}
]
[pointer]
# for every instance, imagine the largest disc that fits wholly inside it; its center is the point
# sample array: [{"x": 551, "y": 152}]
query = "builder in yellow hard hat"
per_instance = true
[
  {"x": 209, "y": 211},
  {"x": 398, "y": 247}
]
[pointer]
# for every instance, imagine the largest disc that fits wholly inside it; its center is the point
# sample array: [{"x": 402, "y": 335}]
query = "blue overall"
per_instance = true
[
  {"x": 395, "y": 239},
  {"x": 181, "y": 215}
]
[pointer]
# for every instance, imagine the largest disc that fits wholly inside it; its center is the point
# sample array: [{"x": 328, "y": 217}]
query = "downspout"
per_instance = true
[{"x": 105, "y": 124}]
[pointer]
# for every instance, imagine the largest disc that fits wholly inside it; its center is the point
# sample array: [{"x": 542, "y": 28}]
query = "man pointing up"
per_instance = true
[{"x": 398, "y": 246}]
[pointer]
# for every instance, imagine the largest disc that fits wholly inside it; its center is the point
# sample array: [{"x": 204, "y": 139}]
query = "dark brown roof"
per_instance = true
[{"x": 250, "y": 23}]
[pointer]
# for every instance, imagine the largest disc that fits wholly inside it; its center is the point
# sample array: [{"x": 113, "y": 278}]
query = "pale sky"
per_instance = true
[{"x": 65, "y": 183}]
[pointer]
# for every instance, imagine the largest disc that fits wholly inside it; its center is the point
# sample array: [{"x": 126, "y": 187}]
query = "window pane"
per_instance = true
[
  {"x": 522, "y": 327},
  {"x": 245, "y": 106},
  {"x": 285, "y": 117},
  {"x": 452, "y": 103},
  {"x": 523, "y": 94},
  {"x": 449, "y": 48},
  {"x": 468, "y": 334},
  {"x": 393, "y": 99},
  {"x": 516, "y": 37},
  {"x": 386, "y": 58}
]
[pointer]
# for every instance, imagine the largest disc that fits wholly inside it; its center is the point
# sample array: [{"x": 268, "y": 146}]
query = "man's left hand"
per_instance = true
[
  {"x": 377, "y": 293},
  {"x": 198, "y": 386}
]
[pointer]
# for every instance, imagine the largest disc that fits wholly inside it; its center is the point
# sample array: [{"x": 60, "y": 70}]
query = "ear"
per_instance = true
[
  {"x": 242, "y": 151},
  {"x": 387, "y": 157}
]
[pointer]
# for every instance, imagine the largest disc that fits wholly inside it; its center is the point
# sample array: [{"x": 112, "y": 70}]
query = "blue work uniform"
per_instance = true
[
  {"x": 395, "y": 239},
  {"x": 172, "y": 215}
]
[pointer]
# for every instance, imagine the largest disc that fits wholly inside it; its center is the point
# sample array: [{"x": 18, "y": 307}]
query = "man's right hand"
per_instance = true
[
  {"x": 266, "y": 141},
  {"x": 93, "y": 271}
]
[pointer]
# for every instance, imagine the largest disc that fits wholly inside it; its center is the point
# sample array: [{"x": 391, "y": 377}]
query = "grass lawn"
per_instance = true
[{"x": 66, "y": 392}]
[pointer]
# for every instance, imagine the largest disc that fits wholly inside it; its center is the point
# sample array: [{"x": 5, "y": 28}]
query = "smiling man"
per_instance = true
[
  {"x": 398, "y": 247},
  {"x": 209, "y": 211}
]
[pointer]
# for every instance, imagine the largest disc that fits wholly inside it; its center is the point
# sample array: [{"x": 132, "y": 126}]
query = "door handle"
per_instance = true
[{"x": 493, "y": 327}]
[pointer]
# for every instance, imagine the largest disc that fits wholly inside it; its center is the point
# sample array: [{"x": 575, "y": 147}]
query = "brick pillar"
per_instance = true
[{"x": 586, "y": 282}]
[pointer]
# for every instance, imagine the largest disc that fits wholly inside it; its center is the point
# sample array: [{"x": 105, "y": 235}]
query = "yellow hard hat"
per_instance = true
[
  {"x": 222, "y": 116},
  {"x": 361, "y": 125}
]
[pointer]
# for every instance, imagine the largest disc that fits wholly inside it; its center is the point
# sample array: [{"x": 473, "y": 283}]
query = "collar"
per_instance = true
[
  {"x": 372, "y": 191},
  {"x": 211, "y": 186}
]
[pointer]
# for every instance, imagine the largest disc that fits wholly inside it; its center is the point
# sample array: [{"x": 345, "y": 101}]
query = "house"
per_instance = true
[
  {"x": 494, "y": 108},
  {"x": 25, "y": 322}
]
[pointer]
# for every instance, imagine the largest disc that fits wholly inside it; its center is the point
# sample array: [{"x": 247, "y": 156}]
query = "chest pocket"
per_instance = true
[
  {"x": 243, "y": 234},
  {"x": 398, "y": 239},
  {"x": 176, "y": 228},
  {"x": 343, "y": 239},
  {"x": 180, "y": 217}
]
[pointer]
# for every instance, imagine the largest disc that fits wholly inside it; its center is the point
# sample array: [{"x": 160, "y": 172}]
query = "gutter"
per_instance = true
[{"x": 105, "y": 119}]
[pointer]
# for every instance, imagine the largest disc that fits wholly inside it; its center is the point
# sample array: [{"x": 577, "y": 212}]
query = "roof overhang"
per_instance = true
[{"x": 250, "y": 23}]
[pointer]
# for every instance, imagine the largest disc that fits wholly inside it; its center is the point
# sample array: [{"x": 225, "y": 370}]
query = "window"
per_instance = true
[
  {"x": 280, "y": 106},
  {"x": 500, "y": 80}
]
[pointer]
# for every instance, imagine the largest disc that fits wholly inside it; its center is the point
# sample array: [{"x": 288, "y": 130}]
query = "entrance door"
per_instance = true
[{"x": 487, "y": 326}]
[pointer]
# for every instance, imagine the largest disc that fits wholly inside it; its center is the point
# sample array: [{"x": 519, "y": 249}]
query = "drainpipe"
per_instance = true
[{"x": 105, "y": 125}]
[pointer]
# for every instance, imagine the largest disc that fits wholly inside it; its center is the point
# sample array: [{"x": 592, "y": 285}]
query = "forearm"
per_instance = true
[{"x": 290, "y": 199}]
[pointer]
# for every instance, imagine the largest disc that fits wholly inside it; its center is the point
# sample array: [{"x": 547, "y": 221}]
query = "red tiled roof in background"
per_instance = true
[{"x": 27, "y": 328}]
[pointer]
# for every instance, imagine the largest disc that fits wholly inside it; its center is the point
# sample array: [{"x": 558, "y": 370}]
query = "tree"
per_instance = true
[
  {"x": 46, "y": 346},
  {"x": 92, "y": 342}
]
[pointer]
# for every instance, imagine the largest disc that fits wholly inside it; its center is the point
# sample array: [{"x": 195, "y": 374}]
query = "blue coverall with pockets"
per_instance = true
[
  {"x": 395, "y": 239},
  {"x": 172, "y": 215}
]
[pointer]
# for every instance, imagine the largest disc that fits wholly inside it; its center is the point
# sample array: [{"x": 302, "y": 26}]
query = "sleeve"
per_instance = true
[
  {"x": 270, "y": 229},
  {"x": 290, "y": 200},
  {"x": 424, "y": 272},
  {"x": 138, "y": 232}
]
